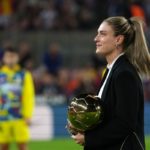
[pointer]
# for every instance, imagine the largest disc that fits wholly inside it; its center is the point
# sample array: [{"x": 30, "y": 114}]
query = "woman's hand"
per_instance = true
[
  {"x": 79, "y": 138},
  {"x": 71, "y": 129}
]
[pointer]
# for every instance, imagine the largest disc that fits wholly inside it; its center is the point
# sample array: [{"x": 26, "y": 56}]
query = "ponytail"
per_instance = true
[{"x": 137, "y": 51}]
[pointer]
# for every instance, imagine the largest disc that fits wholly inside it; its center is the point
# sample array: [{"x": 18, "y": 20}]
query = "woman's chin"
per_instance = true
[{"x": 98, "y": 51}]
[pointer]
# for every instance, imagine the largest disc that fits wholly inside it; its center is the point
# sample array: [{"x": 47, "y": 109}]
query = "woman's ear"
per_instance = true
[{"x": 119, "y": 39}]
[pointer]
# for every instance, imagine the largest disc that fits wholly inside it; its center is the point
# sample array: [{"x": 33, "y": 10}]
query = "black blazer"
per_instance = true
[{"x": 123, "y": 124}]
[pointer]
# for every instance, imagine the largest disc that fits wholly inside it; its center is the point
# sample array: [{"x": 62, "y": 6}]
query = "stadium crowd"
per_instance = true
[
  {"x": 52, "y": 78},
  {"x": 27, "y": 15}
]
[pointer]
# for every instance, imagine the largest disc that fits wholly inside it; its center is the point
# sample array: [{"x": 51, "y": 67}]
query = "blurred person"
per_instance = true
[
  {"x": 122, "y": 42},
  {"x": 48, "y": 15},
  {"x": 146, "y": 6},
  {"x": 137, "y": 9},
  {"x": 6, "y": 11},
  {"x": 119, "y": 8},
  {"x": 100, "y": 9},
  {"x": 86, "y": 14},
  {"x": 53, "y": 59},
  {"x": 63, "y": 81},
  {"x": 16, "y": 102},
  {"x": 48, "y": 84},
  {"x": 25, "y": 56},
  {"x": 86, "y": 18},
  {"x": 5, "y": 43},
  {"x": 37, "y": 23},
  {"x": 74, "y": 82},
  {"x": 67, "y": 11},
  {"x": 23, "y": 15}
]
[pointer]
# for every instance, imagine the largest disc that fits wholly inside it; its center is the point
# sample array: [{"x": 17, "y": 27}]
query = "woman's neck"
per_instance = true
[{"x": 111, "y": 57}]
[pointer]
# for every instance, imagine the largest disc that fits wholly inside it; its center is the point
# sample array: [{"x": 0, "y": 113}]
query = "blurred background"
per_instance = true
[{"x": 54, "y": 39}]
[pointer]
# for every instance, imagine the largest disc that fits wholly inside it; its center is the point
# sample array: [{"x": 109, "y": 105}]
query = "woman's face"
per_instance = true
[{"x": 105, "y": 40}]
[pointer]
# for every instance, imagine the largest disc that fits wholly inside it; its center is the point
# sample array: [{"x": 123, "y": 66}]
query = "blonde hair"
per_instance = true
[{"x": 134, "y": 44}]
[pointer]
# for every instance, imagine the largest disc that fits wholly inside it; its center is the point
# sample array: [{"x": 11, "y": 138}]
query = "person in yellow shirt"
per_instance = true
[{"x": 16, "y": 101}]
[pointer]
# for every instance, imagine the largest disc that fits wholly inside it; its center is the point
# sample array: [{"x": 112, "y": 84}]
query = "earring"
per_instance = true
[{"x": 116, "y": 45}]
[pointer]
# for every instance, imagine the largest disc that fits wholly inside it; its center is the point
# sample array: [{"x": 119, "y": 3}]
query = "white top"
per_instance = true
[{"x": 110, "y": 68}]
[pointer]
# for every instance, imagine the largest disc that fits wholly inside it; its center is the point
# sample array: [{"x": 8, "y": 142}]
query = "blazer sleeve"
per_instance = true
[
  {"x": 28, "y": 96},
  {"x": 124, "y": 117}
]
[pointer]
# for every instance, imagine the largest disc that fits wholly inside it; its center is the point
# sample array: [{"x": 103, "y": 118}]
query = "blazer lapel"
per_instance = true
[
  {"x": 106, "y": 86},
  {"x": 120, "y": 59}
]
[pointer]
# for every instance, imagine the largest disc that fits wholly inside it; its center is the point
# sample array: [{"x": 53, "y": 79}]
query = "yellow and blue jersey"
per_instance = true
[{"x": 16, "y": 93}]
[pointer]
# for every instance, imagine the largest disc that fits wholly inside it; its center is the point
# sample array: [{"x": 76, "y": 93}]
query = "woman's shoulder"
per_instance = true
[
  {"x": 126, "y": 70},
  {"x": 124, "y": 65}
]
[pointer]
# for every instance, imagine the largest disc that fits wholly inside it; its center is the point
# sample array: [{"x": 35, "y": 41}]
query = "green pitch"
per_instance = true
[
  {"x": 147, "y": 143},
  {"x": 56, "y": 144},
  {"x": 61, "y": 144}
]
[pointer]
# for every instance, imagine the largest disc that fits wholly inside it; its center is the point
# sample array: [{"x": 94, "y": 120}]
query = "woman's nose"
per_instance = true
[{"x": 95, "y": 39}]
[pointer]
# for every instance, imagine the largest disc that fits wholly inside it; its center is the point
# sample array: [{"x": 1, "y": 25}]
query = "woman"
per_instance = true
[{"x": 122, "y": 42}]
